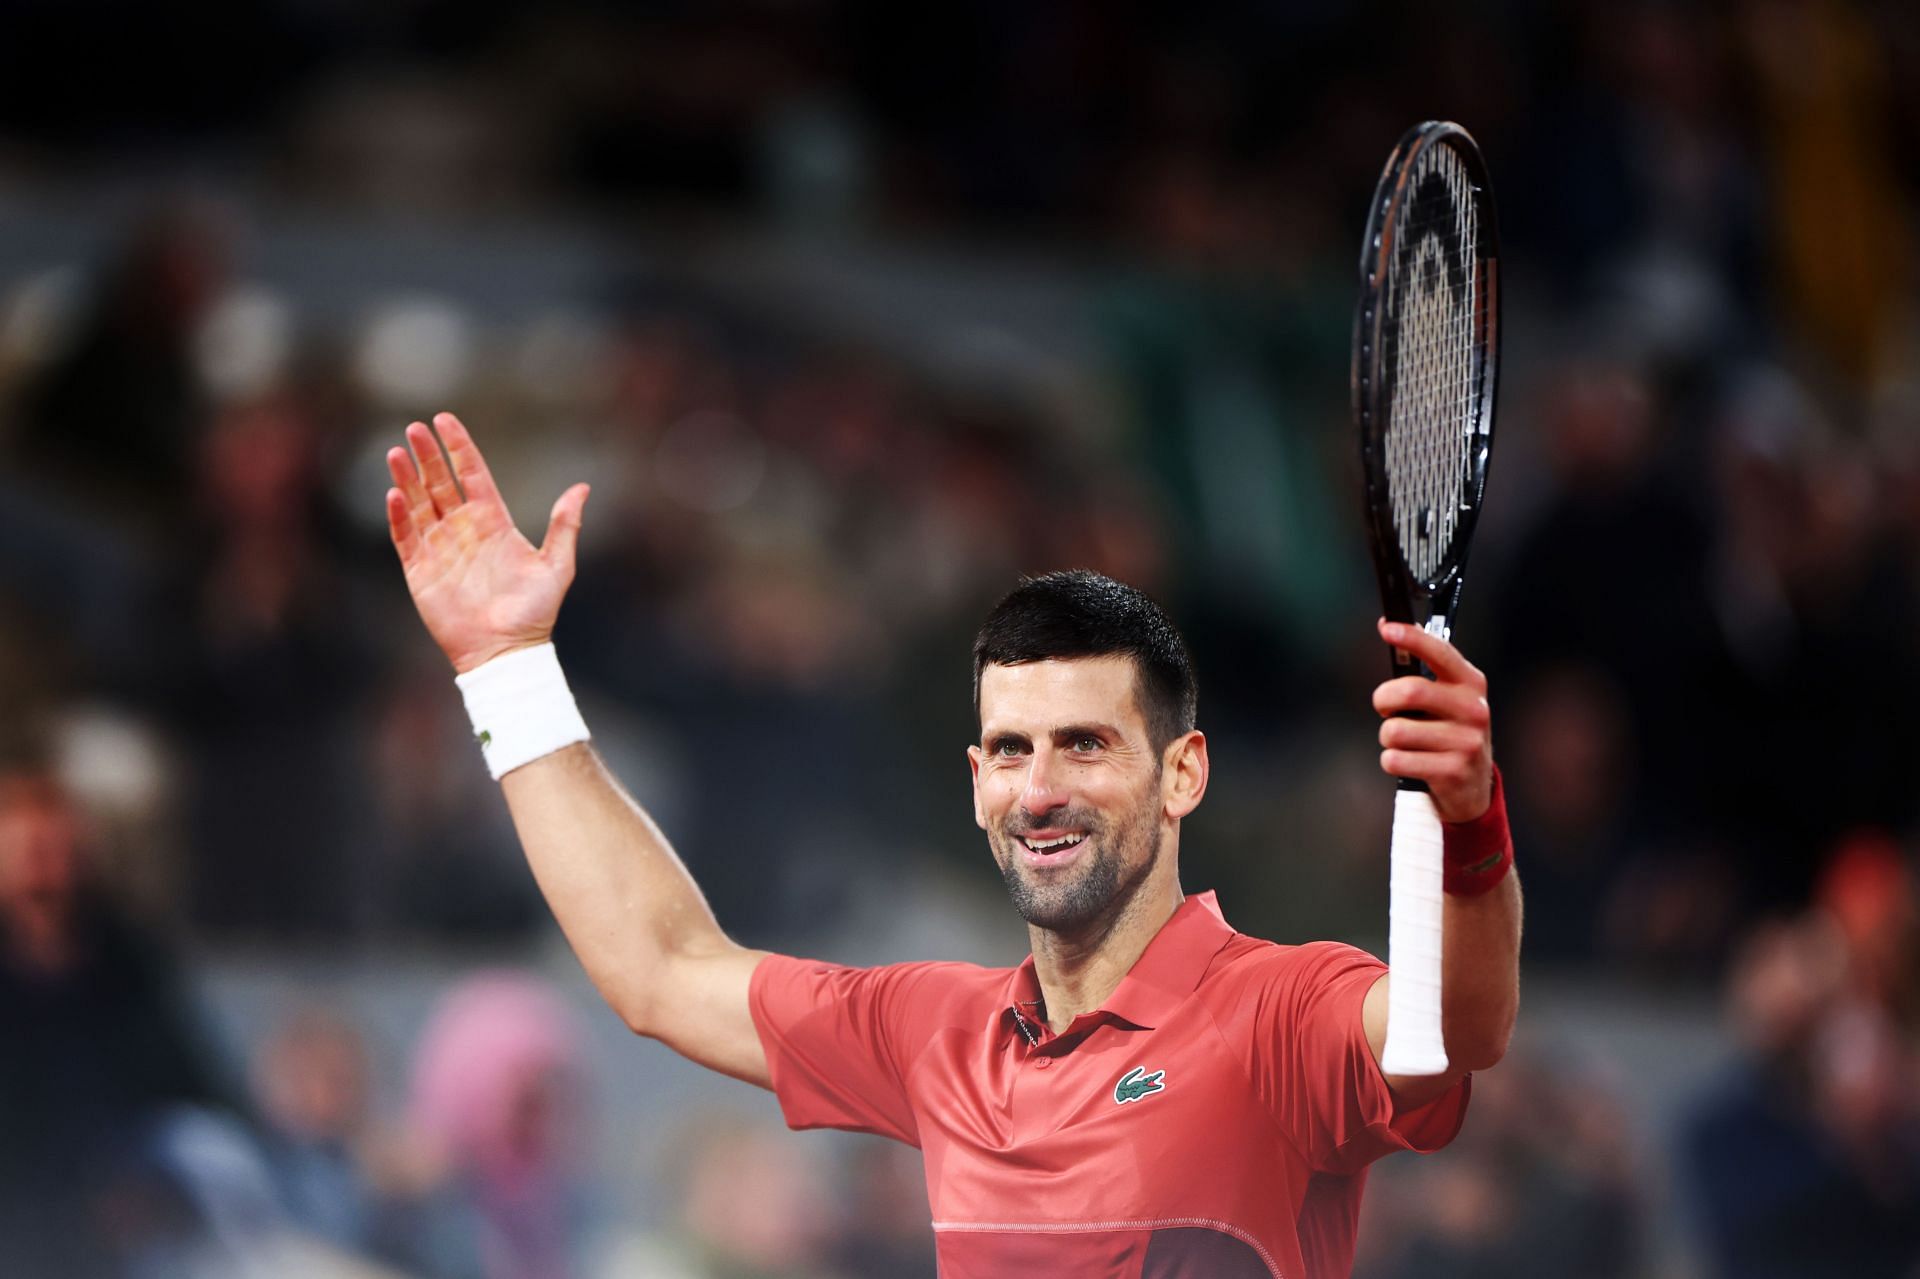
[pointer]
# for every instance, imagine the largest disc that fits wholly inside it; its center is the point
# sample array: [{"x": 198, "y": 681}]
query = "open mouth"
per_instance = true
[{"x": 1046, "y": 844}]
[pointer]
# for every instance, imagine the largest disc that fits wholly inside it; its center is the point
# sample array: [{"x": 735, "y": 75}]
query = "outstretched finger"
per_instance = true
[
  {"x": 406, "y": 477},
  {"x": 406, "y": 538},
  {"x": 563, "y": 529},
  {"x": 1442, "y": 658},
  {"x": 433, "y": 468},
  {"x": 468, "y": 465}
]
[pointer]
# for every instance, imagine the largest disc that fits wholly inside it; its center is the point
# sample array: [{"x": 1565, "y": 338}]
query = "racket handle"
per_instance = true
[{"x": 1415, "y": 1044}]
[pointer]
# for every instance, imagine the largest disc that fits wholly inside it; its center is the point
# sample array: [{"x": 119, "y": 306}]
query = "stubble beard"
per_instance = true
[{"x": 1100, "y": 888}]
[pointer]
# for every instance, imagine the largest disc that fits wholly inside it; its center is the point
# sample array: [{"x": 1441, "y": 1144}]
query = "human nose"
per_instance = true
[{"x": 1045, "y": 790}]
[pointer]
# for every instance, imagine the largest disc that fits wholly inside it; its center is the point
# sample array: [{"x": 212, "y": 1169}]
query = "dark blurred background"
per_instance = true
[{"x": 853, "y": 312}]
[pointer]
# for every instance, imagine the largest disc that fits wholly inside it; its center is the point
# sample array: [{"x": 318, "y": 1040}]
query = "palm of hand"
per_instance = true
[{"x": 480, "y": 586}]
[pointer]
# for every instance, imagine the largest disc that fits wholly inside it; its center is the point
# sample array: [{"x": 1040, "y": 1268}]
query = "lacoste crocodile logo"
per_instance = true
[
  {"x": 1137, "y": 1083},
  {"x": 485, "y": 739}
]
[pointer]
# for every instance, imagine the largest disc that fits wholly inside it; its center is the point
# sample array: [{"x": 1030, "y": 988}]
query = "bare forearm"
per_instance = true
[
  {"x": 1480, "y": 978},
  {"x": 621, "y": 894},
  {"x": 487, "y": 595}
]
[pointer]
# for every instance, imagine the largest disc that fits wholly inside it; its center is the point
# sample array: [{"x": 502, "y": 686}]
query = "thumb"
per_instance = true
[{"x": 563, "y": 528}]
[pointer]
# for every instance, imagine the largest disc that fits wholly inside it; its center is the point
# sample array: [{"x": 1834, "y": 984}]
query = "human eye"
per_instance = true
[
  {"x": 1008, "y": 747},
  {"x": 1086, "y": 744}
]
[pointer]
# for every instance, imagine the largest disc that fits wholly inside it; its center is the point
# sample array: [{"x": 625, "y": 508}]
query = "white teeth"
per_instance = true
[{"x": 1042, "y": 847}]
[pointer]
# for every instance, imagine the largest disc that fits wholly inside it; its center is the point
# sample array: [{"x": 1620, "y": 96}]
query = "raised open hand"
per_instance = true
[{"x": 481, "y": 587}]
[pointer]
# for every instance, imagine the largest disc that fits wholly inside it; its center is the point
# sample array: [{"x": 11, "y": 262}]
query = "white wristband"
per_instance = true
[{"x": 521, "y": 708}]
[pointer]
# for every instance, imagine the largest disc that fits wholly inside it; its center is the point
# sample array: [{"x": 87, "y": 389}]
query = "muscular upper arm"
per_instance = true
[
  {"x": 1409, "y": 1091},
  {"x": 701, "y": 1011}
]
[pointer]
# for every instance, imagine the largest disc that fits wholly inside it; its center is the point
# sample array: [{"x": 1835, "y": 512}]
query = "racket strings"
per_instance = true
[{"x": 1433, "y": 300}]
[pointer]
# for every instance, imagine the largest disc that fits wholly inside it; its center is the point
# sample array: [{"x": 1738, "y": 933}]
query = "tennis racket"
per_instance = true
[{"x": 1426, "y": 346}]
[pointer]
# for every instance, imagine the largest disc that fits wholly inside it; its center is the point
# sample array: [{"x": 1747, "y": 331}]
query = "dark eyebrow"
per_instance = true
[{"x": 1073, "y": 732}]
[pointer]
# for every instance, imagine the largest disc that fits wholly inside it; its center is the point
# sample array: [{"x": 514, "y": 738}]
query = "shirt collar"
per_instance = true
[{"x": 1167, "y": 972}]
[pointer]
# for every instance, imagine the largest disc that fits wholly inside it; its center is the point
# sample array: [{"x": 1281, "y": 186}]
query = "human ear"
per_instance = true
[
  {"x": 1183, "y": 775},
  {"x": 973, "y": 763}
]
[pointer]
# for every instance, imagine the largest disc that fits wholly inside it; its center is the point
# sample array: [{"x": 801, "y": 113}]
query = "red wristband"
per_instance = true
[{"x": 1479, "y": 853}]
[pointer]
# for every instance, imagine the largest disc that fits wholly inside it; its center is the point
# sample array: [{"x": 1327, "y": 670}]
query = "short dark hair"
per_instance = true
[{"x": 1080, "y": 613}]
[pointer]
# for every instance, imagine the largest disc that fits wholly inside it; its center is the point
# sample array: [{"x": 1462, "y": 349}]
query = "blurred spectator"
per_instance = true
[
  {"x": 98, "y": 1046},
  {"x": 1803, "y": 1157},
  {"x": 1568, "y": 770},
  {"x": 498, "y": 1176},
  {"x": 445, "y": 863},
  {"x": 311, "y": 1080},
  {"x": 1604, "y": 883},
  {"x": 1867, "y": 890},
  {"x": 113, "y": 422},
  {"x": 259, "y": 669},
  {"x": 95, "y": 476},
  {"x": 1618, "y": 515},
  {"x": 1543, "y": 1181},
  {"x": 1812, "y": 591},
  {"x": 752, "y": 1205}
]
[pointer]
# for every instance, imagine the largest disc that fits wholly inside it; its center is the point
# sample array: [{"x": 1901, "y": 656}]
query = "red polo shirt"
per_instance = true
[{"x": 1213, "y": 1120}]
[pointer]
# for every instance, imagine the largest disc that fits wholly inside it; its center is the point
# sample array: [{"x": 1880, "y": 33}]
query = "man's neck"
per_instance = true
[{"x": 1079, "y": 971}]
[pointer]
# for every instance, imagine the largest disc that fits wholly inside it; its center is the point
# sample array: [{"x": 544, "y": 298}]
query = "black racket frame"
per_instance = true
[{"x": 1404, "y": 596}]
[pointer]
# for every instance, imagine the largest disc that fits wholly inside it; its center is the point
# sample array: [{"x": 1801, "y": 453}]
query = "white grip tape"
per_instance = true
[
  {"x": 1415, "y": 1045},
  {"x": 521, "y": 708}
]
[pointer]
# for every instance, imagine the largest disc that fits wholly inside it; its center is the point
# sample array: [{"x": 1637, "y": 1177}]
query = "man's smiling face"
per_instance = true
[{"x": 1067, "y": 785}]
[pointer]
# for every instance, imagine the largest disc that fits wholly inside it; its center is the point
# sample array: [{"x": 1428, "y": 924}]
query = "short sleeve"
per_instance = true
[
  {"x": 1320, "y": 1078},
  {"x": 841, "y": 1041}
]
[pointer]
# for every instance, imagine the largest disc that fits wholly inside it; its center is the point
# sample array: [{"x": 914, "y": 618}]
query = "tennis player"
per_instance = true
[{"x": 1151, "y": 1094}]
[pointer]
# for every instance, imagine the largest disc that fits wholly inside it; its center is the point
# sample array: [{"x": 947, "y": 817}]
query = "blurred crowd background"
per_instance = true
[{"x": 853, "y": 312}]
